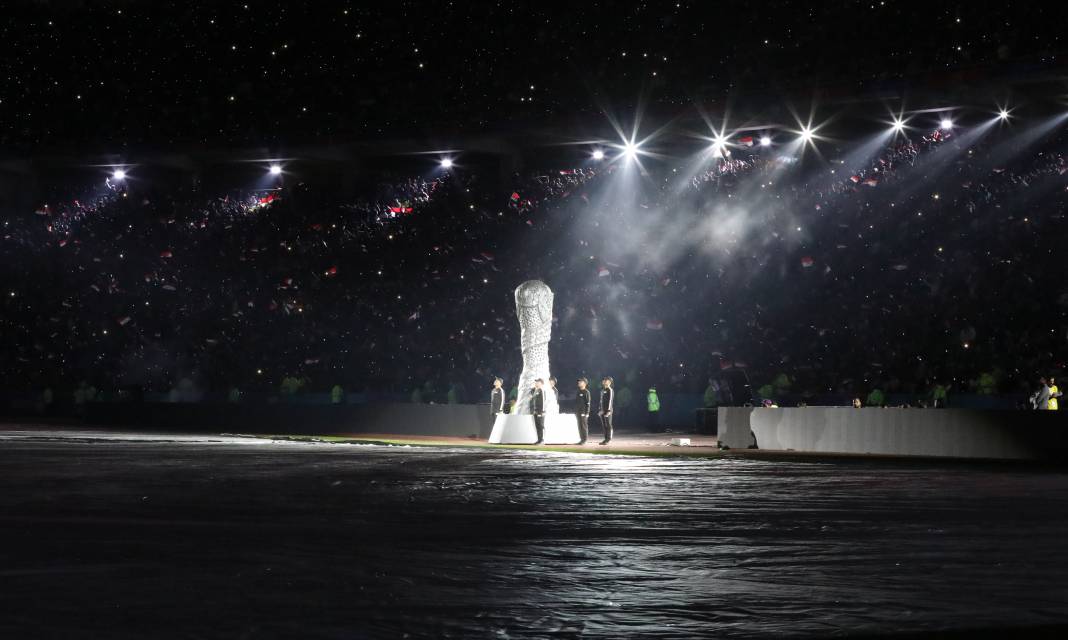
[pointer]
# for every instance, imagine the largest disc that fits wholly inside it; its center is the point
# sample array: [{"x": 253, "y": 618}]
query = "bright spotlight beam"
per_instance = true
[
  {"x": 276, "y": 170},
  {"x": 765, "y": 141},
  {"x": 630, "y": 149},
  {"x": 807, "y": 134},
  {"x": 946, "y": 124},
  {"x": 719, "y": 147},
  {"x": 119, "y": 174},
  {"x": 899, "y": 123},
  {"x": 446, "y": 163},
  {"x": 598, "y": 154}
]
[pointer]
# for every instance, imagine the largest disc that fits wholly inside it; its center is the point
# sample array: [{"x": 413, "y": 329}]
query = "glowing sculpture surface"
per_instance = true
[{"x": 534, "y": 307}]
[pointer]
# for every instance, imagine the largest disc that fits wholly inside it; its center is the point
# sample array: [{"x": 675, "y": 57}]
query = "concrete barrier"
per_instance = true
[{"x": 956, "y": 433}]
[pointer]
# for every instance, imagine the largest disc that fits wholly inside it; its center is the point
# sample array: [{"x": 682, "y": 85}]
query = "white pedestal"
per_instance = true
[{"x": 560, "y": 428}]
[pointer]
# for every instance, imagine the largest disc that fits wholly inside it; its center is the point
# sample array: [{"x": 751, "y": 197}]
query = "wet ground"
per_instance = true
[{"x": 147, "y": 536}]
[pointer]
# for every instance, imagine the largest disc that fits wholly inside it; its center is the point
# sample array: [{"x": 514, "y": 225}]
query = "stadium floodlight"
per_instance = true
[
  {"x": 598, "y": 154},
  {"x": 946, "y": 124},
  {"x": 898, "y": 125},
  {"x": 719, "y": 146},
  {"x": 807, "y": 134},
  {"x": 1003, "y": 114},
  {"x": 630, "y": 151},
  {"x": 276, "y": 170},
  {"x": 119, "y": 174},
  {"x": 765, "y": 141},
  {"x": 446, "y": 163}
]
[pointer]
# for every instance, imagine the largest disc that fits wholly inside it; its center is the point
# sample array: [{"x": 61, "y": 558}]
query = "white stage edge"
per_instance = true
[{"x": 560, "y": 428}]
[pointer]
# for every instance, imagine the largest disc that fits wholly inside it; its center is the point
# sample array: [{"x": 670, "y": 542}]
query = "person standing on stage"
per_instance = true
[
  {"x": 497, "y": 398},
  {"x": 554, "y": 397},
  {"x": 582, "y": 410},
  {"x": 537, "y": 409},
  {"x": 607, "y": 397}
]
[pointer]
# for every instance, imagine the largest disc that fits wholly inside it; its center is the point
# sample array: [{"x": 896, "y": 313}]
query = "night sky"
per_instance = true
[{"x": 114, "y": 75}]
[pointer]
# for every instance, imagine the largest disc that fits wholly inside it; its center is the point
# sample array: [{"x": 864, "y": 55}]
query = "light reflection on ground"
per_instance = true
[{"x": 206, "y": 535}]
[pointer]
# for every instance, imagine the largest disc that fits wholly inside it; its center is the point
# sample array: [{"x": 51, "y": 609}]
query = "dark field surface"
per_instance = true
[{"x": 142, "y": 536}]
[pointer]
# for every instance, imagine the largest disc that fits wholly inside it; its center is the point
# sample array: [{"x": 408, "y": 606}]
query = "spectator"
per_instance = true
[
  {"x": 1040, "y": 399},
  {"x": 409, "y": 281}
]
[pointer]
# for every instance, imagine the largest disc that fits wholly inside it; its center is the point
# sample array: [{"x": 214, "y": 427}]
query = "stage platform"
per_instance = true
[{"x": 560, "y": 428}]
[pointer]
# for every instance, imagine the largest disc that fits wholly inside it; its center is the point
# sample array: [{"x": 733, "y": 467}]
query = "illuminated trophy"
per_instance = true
[{"x": 534, "y": 308}]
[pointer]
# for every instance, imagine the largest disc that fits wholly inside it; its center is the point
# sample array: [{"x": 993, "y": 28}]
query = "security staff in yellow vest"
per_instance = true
[
  {"x": 1052, "y": 404},
  {"x": 653, "y": 404}
]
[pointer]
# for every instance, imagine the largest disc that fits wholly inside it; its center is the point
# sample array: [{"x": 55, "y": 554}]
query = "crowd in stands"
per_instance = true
[{"x": 936, "y": 262}]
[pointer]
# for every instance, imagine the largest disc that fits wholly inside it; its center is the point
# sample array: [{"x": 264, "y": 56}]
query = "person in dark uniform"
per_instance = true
[
  {"x": 582, "y": 410},
  {"x": 537, "y": 409},
  {"x": 497, "y": 398},
  {"x": 607, "y": 398}
]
